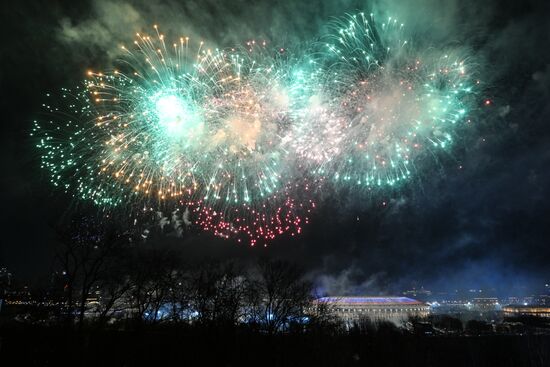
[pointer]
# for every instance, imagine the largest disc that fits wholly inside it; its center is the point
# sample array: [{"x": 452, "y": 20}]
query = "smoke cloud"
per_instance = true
[{"x": 483, "y": 215}]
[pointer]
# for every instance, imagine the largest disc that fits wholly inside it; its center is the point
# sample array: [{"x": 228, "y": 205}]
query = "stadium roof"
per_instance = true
[{"x": 370, "y": 300}]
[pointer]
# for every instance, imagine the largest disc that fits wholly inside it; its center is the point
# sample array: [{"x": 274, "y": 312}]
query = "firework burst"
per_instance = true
[
  {"x": 173, "y": 123},
  {"x": 243, "y": 138},
  {"x": 383, "y": 107}
]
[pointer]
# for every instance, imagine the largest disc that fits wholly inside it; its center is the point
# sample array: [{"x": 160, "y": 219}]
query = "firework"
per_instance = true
[
  {"x": 171, "y": 123},
  {"x": 242, "y": 139},
  {"x": 283, "y": 213},
  {"x": 383, "y": 107}
]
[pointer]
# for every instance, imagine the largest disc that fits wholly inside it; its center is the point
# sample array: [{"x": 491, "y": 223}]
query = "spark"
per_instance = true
[{"x": 245, "y": 138}]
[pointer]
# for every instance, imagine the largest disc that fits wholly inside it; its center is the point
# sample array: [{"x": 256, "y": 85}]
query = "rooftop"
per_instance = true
[{"x": 370, "y": 300}]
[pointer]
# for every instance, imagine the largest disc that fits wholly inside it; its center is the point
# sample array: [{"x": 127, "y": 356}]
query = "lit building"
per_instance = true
[
  {"x": 526, "y": 310},
  {"x": 542, "y": 300},
  {"x": 485, "y": 304},
  {"x": 395, "y": 309},
  {"x": 421, "y": 293}
]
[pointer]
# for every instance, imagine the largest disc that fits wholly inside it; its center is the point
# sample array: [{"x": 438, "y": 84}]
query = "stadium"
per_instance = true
[{"x": 395, "y": 309}]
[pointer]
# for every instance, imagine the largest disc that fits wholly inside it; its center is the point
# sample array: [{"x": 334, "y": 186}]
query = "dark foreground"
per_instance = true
[{"x": 192, "y": 346}]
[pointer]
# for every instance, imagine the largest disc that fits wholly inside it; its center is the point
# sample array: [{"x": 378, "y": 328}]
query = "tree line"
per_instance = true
[{"x": 102, "y": 275}]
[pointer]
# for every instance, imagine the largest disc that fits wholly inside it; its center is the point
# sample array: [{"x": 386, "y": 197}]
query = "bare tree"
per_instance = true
[
  {"x": 279, "y": 296},
  {"x": 178, "y": 297},
  {"x": 152, "y": 278},
  {"x": 322, "y": 318},
  {"x": 114, "y": 285},
  {"x": 218, "y": 292},
  {"x": 85, "y": 248}
]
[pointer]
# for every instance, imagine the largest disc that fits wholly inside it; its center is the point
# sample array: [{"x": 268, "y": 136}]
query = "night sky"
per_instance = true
[{"x": 480, "y": 217}]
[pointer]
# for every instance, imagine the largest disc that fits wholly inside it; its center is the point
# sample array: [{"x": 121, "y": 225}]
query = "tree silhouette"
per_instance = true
[{"x": 279, "y": 295}]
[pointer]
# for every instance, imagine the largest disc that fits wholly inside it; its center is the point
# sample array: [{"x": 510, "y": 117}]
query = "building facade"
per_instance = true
[
  {"x": 526, "y": 310},
  {"x": 395, "y": 309}
]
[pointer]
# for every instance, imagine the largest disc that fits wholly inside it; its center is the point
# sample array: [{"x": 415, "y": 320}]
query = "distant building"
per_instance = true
[
  {"x": 486, "y": 304},
  {"x": 542, "y": 300},
  {"x": 5, "y": 281},
  {"x": 422, "y": 294},
  {"x": 526, "y": 310},
  {"x": 395, "y": 309}
]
